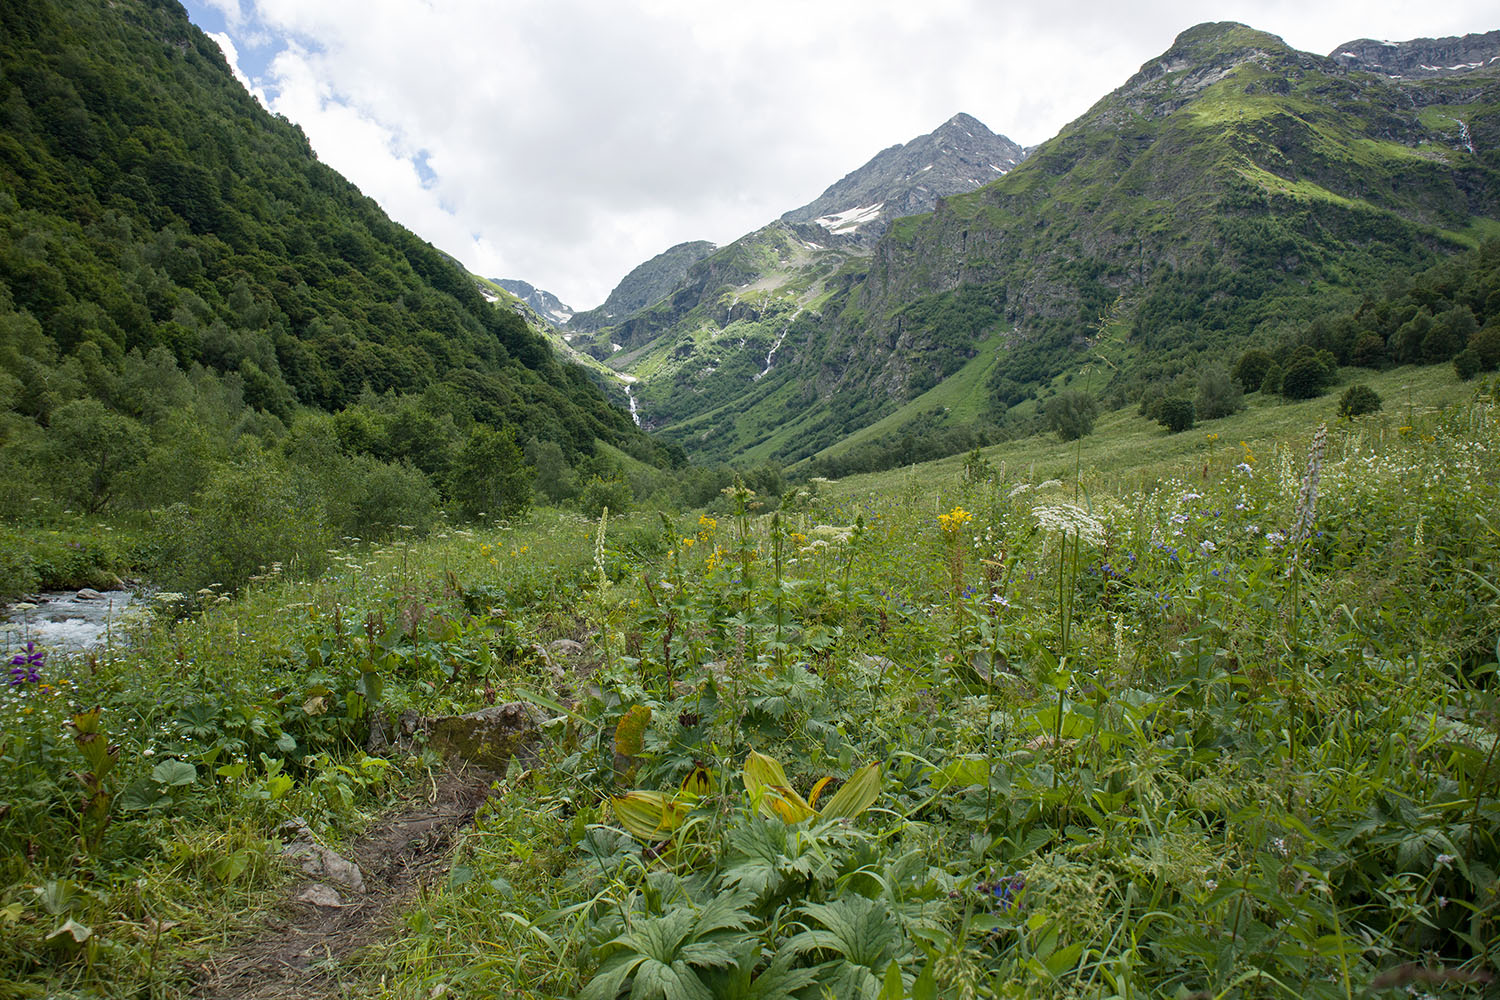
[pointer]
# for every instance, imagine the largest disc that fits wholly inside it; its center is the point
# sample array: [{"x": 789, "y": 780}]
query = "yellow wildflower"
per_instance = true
[{"x": 954, "y": 519}]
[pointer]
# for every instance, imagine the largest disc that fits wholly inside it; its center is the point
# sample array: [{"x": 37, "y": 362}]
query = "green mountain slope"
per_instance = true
[
  {"x": 1228, "y": 193},
  {"x": 149, "y": 207}
]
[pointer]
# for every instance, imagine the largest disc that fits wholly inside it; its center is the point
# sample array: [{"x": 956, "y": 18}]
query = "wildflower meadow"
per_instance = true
[{"x": 1228, "y": 732}]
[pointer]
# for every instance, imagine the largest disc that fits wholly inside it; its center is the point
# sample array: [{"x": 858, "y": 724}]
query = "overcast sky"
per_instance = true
[{"x": 565, "y": 141}]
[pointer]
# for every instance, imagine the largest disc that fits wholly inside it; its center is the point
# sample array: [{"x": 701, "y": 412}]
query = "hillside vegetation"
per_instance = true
[{"x": 190, "y": 301}]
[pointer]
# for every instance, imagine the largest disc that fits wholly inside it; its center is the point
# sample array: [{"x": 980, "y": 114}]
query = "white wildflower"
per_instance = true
[{"x": 1066, "y": 518}]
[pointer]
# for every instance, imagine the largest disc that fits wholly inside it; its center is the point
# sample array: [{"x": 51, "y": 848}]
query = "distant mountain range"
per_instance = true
[{"x": 1229, "y": 192}]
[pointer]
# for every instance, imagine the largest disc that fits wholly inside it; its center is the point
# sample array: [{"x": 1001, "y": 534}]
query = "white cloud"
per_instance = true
[{"x": 577, "y": 138}]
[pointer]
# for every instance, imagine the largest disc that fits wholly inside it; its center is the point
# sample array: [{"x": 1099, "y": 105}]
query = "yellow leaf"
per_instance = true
[
  {"x": 857, "y": 795},
  {"x": 786, "y": 804},
  {"x": 648, "y": 816},
  {"x": 767, "y": 782},
  {"x": 812, "y": 799},
  {"x": 698, "y": 783}
]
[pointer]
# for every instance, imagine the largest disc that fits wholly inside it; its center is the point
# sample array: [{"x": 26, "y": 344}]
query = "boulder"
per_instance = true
[{"x": 488, "y": 738}]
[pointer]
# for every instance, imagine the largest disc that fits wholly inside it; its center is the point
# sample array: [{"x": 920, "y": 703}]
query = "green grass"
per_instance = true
[{"x": 1127, "y": 450}]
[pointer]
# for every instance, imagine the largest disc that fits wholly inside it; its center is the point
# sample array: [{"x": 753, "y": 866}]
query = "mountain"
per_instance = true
[
  {"x": 548, "y": 306},
  {"x": 908, "y": 179},
  {"x": 170, "y": 251},
  {"x": 1422, "y": 57},
  {"x": 723, "y": 321},
  {"x": 644, "y": 286},
  {"x": 1231, "y": 191}
]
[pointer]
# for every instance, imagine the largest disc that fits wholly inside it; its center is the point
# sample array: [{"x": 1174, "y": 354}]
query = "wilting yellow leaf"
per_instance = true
[
  {"x": 812, "y": 799},
  {"x": 767, "y": 781},
  {"x": 698, "y": 783},
  {"x": 648, "y": 816},
  {"x": 857, "y": 795}
]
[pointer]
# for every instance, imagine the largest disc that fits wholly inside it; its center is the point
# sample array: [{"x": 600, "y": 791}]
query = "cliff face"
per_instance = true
[
  {"x": 644, "y": 286},
  {"x": 1422, "y": 57}
]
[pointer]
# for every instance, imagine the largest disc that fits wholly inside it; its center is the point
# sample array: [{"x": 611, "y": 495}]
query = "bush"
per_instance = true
[
  {"x": 1176, "y": 414},
  {"x": 1486, "y": 344},
  {"x": 1466, "y": 363},
  {"x": 598, "y": 494},
  {"x": 1304, "y": 379},
  {"x": 1357, "y": 400},
  {"x": 1071, "y": 414},
  {"x": 252, "y": 514}
]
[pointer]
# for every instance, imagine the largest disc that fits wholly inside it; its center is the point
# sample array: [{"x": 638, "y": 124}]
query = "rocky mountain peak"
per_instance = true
[
  {"x": 549, "y": 307},
  {"x": 1421, "y": 57},
  {"x": 908, "y": 179}
]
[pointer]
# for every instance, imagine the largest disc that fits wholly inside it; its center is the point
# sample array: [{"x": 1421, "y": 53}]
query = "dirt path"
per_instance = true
[{"x": 303, "y": 948}]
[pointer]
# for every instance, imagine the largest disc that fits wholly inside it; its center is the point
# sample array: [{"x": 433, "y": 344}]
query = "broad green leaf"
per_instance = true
[
  {"x": 857, "y": 795},
  {"x": 965, "y": 771},
  {"x": 174, "y": 773},
  {"x": 891, "y": 988}
]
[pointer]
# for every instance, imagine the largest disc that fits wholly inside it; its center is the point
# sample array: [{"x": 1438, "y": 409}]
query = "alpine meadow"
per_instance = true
[{"x": 1061, "y": 571}]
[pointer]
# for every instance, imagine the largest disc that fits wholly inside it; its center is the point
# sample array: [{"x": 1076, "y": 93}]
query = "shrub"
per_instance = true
[
  {"x": 1304, "y": 379},
  {"x": 1357, "y": 400},
  {"x": 1466, "y": 363},
  {"x": 599, "y": 493},
  {"x": 1486, "y": 344},
  {"x": 1176, "y": 414}
]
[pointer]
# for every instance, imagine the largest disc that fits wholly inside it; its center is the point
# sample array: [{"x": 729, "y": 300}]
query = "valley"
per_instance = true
[{"x": 1062, "y": 571}]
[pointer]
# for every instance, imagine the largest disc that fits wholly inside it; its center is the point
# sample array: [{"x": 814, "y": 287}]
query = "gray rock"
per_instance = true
[
  {"x": 322, "y": 895},
  {"x": 488, "y": 738},
  {"x": 318, "y": 861},
  {"x": 89, "y": 594}
]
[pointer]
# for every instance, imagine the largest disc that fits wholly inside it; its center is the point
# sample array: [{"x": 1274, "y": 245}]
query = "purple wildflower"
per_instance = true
[{"x": 25, "y": 668}]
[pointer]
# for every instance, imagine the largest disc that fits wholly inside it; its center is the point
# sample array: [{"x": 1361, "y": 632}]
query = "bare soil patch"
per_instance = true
[{"x": 304, "y": 949}]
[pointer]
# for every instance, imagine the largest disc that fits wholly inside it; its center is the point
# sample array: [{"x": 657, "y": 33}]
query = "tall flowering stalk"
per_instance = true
[
  {"x": 952, "y": 524},
  {"x": 1307, "y": 497}
]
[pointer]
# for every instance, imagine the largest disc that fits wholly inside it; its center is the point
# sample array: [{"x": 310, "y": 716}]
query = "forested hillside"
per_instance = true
[{"x": 184, "y": 287}]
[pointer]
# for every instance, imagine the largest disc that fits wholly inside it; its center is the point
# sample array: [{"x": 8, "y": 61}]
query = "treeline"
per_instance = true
[
  {"x": 921, "y": 440},
  {"x": 1447, "y": 313}
]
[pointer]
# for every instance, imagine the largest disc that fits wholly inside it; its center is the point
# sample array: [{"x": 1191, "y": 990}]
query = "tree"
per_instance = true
[
  {"x": 1219, "y": 395},
  {"x": 1250, "y": 370},
  {"x": 1176, "y": 414},
  {"x": 1271, "y": 384},
  {"x": 490, "y": 477},
  {"x": 1071, "y": 414},
  {"x": 91, "y": 448}
]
